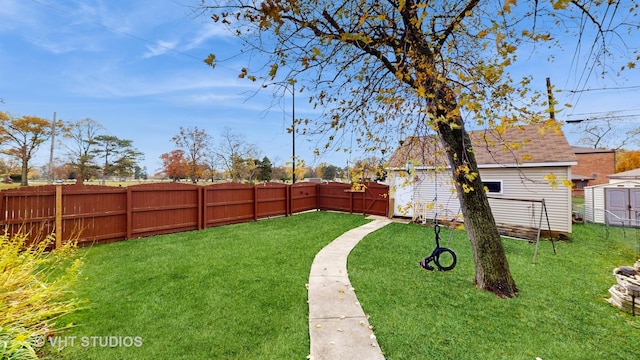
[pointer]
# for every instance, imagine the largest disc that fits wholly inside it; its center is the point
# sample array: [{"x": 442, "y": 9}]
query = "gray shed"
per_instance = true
[{"x": 616, "y": 203}]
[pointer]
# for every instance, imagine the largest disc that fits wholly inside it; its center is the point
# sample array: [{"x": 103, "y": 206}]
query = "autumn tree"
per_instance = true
[
  {"x": 8, "y": 167},
  {"x": 174, "y": 165},
  {"x": 236, "y": 155},
  {"x": 369, "y": 169},
  {"x": 627, "y": 160},
  {"x": 81, "y": 146},
  {"x": 211, "y": 165},
  {"x": 378, "y": 68},
  {"x": 21, "y": 137},
  {"x": 195, "y": 143},
  {"x": 64, "y": 171},
  {"x": 301, "y": 170},
  {"x": 280, "y": 173}
]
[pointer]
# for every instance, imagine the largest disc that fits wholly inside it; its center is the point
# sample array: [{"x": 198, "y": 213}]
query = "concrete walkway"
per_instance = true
[{"x": 338, "y": 327}]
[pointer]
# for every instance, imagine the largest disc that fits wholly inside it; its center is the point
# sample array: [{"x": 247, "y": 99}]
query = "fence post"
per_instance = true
[
  {"x": 200, "y": 211},
  {"x": 58, "y": 216},
  {"x": 288, "y": 196},
  {"x": 129, "y": 213},
  {"x": 350, "y": 202},
  {"x": 255, "y": 202}
]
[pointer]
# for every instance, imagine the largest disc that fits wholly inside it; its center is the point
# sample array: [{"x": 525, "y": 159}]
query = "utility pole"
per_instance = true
[
  {"x": 552, "y": 113},
  {"x": 293, "y": 130},
  {"x": 53, "y": 140}
]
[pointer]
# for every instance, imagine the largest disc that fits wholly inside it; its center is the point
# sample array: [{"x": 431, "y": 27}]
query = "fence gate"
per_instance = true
[{"x": 623, "y": 206}]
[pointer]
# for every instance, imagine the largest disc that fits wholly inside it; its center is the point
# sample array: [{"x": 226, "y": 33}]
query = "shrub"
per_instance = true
[{"x": 34, "y": 292}]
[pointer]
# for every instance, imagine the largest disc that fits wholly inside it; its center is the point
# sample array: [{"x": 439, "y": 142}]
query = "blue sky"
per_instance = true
[{"x": 137, "y": 68}]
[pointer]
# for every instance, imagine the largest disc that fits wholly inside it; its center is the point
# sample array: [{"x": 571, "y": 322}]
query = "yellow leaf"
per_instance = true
[
  {"x": 211, "y": 60},
  {"x": 552, "y": 179},
  {"x": 422, "y": 92},
  {"x": 363, "y": 18}
]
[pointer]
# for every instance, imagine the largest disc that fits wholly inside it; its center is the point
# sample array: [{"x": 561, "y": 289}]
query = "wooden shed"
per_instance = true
[{"x": 522, "y": 168}]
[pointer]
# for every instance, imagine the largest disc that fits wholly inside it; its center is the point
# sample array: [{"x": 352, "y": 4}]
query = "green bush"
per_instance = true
[{"x": 34, "y": 292}]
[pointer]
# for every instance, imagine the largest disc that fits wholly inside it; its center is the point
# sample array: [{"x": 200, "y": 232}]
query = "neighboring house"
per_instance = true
[
  {"x": 516, "y": 167},
  {"x": 593, "y": 167}
]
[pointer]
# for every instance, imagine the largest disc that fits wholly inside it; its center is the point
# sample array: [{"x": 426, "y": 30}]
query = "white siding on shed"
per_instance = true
[
  {"x": 517, "y": 183},
  {"x": 401, "y": 192},
  {"x": 446, "y": 205},
  {"x": 530, "y": 183},
  {"x": 594, "y": 199}
]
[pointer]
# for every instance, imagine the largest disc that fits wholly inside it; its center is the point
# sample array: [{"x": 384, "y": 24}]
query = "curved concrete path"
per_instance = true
[{"x": 338, "y": 327}]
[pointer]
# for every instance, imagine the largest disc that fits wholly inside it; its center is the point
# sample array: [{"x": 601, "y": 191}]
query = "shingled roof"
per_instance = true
[{"x": 518, "y": 146}]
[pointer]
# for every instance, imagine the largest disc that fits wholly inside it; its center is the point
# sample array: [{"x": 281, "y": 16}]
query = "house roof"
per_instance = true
[
  {"x": 589, "y": 150},
  {"x": 529, "y": 145},
  {"x": 626, "y": 175}
]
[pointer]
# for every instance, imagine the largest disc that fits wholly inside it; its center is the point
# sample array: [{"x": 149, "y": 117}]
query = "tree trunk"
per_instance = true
[
  {"x": 492, "y": 268},
  {"x": 24, "y": 181}
]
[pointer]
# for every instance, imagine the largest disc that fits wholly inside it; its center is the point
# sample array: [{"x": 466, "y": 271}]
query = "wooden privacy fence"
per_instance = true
[{"x": 101, "y": 214}]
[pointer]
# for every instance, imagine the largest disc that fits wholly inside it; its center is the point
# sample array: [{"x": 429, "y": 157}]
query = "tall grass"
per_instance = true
[
  {"x": 34, "y": 293},
  {"x": 232, "y": 292},
  {"x": 561, "y": 312}
]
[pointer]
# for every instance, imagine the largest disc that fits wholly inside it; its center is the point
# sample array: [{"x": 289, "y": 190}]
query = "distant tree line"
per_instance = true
[
  {"x": 197, "y": 157},
  {"x": 91, "y": 153}
]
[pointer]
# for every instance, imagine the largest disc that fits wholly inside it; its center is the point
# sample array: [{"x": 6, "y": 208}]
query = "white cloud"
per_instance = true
[
  {"x": 207, "y": 32},
  {"x": 160, "y": 48},
  {"x": 111, "y": 80}
]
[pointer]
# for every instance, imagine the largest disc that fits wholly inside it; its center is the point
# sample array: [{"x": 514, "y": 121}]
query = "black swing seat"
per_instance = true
[{"x": 435, "y": 255}]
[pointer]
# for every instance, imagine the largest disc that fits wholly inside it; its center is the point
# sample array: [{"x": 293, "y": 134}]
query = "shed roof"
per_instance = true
[
  {"x": 626, "y": 175},
  {"x": 529, "y": 145},
  {"x": 619, "y": 184}
]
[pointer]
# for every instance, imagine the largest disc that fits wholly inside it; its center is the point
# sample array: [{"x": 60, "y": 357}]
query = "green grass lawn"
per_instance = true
[
  {"x": 561, "y": 312},
  {"x": 232, "y": 292},
  {"x": 238, "y": 292}
]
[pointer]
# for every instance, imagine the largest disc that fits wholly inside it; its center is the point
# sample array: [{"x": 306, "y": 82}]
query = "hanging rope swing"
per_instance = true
[{"x": 444, "y": 258}]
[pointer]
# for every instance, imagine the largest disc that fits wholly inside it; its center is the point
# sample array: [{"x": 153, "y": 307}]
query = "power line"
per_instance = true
[
  {"x": 603, "y": 89},
  {"x": 604, "y": 118}
]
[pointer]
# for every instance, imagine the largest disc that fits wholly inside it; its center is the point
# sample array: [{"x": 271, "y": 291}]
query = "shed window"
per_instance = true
[{"x": 493, "y": 187}]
